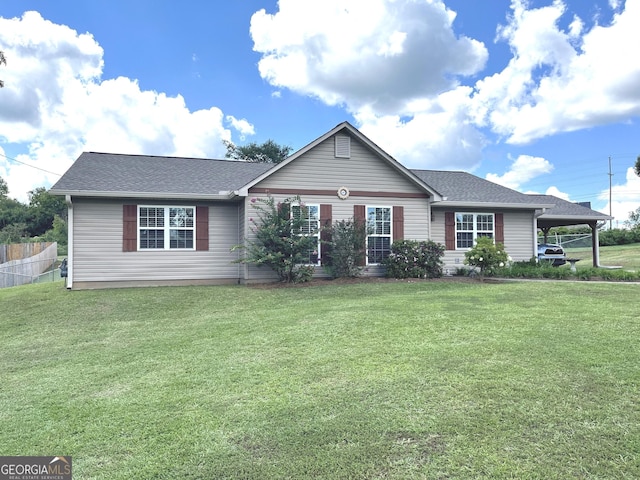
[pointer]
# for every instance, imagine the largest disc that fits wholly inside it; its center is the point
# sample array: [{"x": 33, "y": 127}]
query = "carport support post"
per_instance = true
[
  {"x": 545, "y": 233},
  {"x": 595, "y": 250}
]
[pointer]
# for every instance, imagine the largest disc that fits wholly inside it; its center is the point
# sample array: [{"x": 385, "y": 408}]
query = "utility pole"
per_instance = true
[{"x": 610, "y": 207}]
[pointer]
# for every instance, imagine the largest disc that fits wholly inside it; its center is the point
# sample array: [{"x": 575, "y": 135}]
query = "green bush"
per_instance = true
[
  {"x": 532, "y": 269},
  {"x": 345, "y": 252},
  {"x": 413, "y": 259},
  {"x": 276, "y": 244},
  {"x": 486, "y": 256},
  {"x": 619, "y": 236}
]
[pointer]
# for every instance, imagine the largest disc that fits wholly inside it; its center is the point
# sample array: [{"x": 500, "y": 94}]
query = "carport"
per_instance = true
[{"x": 564, "y": 214}]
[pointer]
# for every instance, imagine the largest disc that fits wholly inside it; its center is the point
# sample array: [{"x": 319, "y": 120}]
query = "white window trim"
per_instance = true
[
  {"x": 475, "y": 230},
  {"x": 166, "y": 228},
  {"x": 390, "y": 235},
  {"x": 317, "y": 234}
]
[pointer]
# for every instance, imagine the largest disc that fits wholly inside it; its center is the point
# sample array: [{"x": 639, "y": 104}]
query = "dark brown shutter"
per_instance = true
[
  {"x": 499, "y": 227},
  {"x": 398, "y": 223},
  {"x": 129, "y": 228},
  {"x": 360, "y": 218},
  {"x": 325, "y": 232},
  {"x": 202, "y": 228},
  {"x": 359, "y": 213},
  {"x": 450, "y": 230},
  {"x": 284, "y": 210}
]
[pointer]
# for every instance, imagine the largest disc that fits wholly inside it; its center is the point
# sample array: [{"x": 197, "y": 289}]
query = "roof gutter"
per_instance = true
[
  {"x": 222, "y": 195},
  {"x": 575, "y": 217},
  {"x": 518, "y": 206},
  {"x": 69, "y": 202}
]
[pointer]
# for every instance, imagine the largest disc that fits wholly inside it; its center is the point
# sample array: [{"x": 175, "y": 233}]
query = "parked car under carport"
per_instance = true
[{"x": 551, "y": 253}]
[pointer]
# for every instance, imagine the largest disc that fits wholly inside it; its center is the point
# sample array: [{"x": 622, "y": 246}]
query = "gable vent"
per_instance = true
[{"x": 343, "y": 146}]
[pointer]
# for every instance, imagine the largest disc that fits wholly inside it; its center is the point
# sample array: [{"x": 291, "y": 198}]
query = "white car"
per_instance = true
[{"x": 554, "y": 254}]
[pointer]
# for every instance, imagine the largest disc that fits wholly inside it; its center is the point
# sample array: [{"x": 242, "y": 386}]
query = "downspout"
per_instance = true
[
  {"x": 238, "y": 243},
  {"x": 535, "y": 231},
  {"x": 70, "y": 230}
]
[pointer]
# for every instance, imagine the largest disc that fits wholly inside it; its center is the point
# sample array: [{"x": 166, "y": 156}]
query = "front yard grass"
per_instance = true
[
  {"x": 624, "y": 256},
  {"x": 393, "y": 380}
]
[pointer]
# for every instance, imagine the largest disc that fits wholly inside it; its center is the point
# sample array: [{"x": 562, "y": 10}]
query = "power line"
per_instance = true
[{"x": 32, "y": 166}]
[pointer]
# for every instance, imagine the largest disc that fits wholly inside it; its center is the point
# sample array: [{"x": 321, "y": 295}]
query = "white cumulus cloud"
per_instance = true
[
  {"x": 374, "y": 55},
  {"x": 560, "y": 81},
  {"x": 55, "y": 104},
  {"x": 522, "y": 169}
]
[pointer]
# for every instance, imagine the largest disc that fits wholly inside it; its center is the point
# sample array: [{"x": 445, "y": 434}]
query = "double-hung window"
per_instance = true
[
  {"x": 166, "y": 228},
  {"x": 470, "y": 226},
  {"x": 379, "y": 234},
  {"x": 308, "y": 217}
]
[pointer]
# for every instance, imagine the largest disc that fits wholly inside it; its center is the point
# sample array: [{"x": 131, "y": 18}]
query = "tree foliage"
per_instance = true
[
  {"x": 415, "y": 259},
  {"x": 11, "y": 211},
  {"x": 267, "y": 152},
  {"x": 634, "y": 219},
  {"x": 20, "y": 222},
  {"x": 637, "y": 166},
  {"x": 277, "y": 242},
  {"x": 4, "y": 188},
  {"x": 345, "y": 253},
  {"x": 486, "y": 256},
  {"x": 3, "y": 61},
  {"x": 43, "y": 208}
]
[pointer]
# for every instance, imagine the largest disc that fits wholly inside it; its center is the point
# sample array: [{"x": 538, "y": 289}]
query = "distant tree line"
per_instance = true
[{"x": 44, "y": 218}]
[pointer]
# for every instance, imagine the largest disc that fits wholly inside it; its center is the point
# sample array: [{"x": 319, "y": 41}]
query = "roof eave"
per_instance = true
[
  {"x": 222, "y": 195},
  {"x": 510, "y": 206},
  {"x": 364, "y": 139},
  {"x": 546, "y": 216}
]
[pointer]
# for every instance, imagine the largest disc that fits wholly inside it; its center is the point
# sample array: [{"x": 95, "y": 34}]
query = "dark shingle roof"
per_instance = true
[
  {"x": 465, "y": 187},
  {"x": 146, "y": 175},
  {"x": 563, "y": 208}
]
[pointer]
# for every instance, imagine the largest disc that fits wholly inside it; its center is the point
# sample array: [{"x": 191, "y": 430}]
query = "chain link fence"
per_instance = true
[{"x": 571, "y": 240}]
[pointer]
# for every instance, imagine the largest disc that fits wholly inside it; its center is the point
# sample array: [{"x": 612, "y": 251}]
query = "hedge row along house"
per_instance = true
[{"x": 147, "y": 220}]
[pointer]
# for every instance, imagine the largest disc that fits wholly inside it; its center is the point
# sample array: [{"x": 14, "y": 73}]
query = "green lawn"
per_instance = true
[
  {"x": 394, "y": 380},
  {"x": 625, "y": 256}
]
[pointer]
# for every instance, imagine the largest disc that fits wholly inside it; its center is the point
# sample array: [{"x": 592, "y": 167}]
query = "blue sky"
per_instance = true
[{"x": 535, "y": 95}]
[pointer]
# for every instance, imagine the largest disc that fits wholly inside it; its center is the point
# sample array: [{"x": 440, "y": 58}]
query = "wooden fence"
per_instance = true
[
  {"x": 37, "y": 258},
  {"x": 19, "y": 251}
]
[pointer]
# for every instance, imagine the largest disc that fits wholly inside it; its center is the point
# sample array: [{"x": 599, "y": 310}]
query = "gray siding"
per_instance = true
[
  {"x": 519, "y": 234},
  {"x": 320, "y": 169},
  {"x": 98, "y": 255},
  {"x": 416, "y": 221}
]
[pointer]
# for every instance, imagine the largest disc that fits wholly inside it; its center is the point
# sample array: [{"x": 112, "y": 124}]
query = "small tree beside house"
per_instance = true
[{"x": 281, "y": 240}]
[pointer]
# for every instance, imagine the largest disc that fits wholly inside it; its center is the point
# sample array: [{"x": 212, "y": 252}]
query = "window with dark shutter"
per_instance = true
[{"x": 153, "y": 227}]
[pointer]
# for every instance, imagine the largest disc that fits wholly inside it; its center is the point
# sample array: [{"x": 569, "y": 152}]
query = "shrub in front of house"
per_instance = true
[
  {"x": 414, "y": 259},
  {"x": 276, "y": 243},
  {"x": 486, "y": 256},
  {"x": 345, "y": 256}
]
